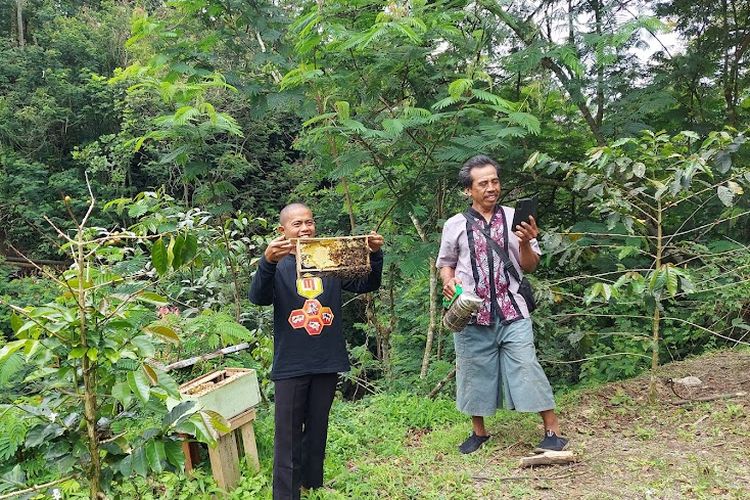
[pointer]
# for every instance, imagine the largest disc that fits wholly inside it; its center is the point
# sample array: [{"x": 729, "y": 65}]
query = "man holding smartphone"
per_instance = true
[{"x": 495, "y": 355}]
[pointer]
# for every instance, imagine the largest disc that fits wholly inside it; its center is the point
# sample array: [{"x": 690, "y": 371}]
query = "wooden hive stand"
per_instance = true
[{"x": 225, "y": 457}]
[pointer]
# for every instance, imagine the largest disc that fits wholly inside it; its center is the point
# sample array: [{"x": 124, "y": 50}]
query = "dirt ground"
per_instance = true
[{"x": 629, "y": 448}]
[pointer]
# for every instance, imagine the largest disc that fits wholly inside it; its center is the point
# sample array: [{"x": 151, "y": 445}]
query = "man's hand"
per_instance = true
[
  {"x": 449, "y": 287},
  {"x": 375, "y": 241},
  {"x": 278, "y": 249},
  {"x": 526, "y": 231}
]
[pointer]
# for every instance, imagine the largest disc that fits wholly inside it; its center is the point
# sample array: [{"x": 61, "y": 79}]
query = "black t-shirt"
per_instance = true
[{"x": 307, "y": 331}]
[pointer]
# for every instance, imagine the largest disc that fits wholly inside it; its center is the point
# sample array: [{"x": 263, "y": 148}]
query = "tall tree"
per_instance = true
[
  {"x": 718, "y": 34},
  {"x": 19, "y": 23}
]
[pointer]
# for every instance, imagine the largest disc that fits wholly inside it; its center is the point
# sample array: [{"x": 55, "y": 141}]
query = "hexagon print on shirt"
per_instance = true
[{"x": 313, "y": 317}]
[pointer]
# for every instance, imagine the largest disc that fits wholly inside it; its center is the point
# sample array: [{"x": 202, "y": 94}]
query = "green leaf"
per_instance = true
[
  {"x": 92, "y": 353},
  {"x": 527, "y": 121},
  {"x": 493, "y": 99},
  {"x": 445, "y": 102},
  {"x": 178, "y": 413},
  {"x": 150, "y": 373},
  {"x": 190, "y": 249},
  {"x": 202, "y": 429},
  {"x": 122, "y": 393},
  {"x": 170, "y": 253},
  {"x": 15, "y": 322},
  {"x": 318, "y": 118},
  {"x": 174, "y": 454},
  {"x": 168, "y": 384},
  {"x": 670, "y": 277},
  {"x": 159, "y": 256},
  {"x": 593, "y": 292},
  {"x": 28, "y": 326},
  {"x": 164, "y": 332},
  {"x": 342, "y": 109},
  {"x": 155, "y": 454},
  {"x": 125, "y": 466},
  {"x": 355, "y": 125},
  {"x": 8, "y": 349},
  {"x": 150, "y": 298},
  {"x": 145, "y": 346},
  {"x": 217, "y": 421},
  {"x": 177, "y": 244},
  {"x": 457, "y": 88},
  {"x": 138, "y": 383},
  {"x": 140, "y": 462},
  {"x": 726, "y": 195},
  {"x": 393, "y": 127}
]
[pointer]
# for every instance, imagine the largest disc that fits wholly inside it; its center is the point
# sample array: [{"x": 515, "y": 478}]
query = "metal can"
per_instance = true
[{"x": 462, "y": 308}]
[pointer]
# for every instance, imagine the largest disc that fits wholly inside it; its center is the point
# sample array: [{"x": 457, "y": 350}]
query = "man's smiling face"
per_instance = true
[{"x": 485, "y": 187}]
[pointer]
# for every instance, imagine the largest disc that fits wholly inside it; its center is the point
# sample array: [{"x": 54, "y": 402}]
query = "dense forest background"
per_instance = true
[{"x": 192, "y": 122}]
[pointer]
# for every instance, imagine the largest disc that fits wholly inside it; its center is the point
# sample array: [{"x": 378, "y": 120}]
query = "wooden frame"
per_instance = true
[
  {"x": 300, "y": 243},
  {"x": 229, "y": 391},
  {"x": 225, "y": 457}
]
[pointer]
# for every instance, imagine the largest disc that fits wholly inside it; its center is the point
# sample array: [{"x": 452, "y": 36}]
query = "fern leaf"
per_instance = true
[
  {"x": 444, "y": 103},
  {"x": 14, "y": 431},
  {"x": 233, "y": 333},
  {"x": 11, "y": 367},
  {"x": 459, "y": 87},
  {"x": 526, "y": 120}
]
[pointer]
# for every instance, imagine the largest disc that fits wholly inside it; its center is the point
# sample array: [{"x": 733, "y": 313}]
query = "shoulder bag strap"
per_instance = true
[{"x": 496, "y": 247}]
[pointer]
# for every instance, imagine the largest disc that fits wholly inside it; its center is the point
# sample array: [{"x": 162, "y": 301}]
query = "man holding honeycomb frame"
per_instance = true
[{"x": 309, "y": 347}]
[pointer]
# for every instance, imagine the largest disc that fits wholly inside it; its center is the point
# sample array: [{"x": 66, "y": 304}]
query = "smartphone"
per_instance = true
[{"x": 524, "y": 208}]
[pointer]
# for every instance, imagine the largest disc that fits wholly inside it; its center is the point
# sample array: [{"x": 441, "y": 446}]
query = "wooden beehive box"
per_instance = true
[
  {"x": 343, "y": 256},
  {"x": 229, "y": 391}
]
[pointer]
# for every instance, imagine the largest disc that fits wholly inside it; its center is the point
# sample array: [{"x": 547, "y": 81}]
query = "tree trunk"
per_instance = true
[
  {"x": 235, "y": 274},
  {"x": 726, "y": 77},
  {"x": 433, "y": 300},
  {"x": 527, "y": 33},
  {"x": 89, "y": 379},
  {"x": 656, "y": 318},
  {"x": 433, "y": 316},
  {"x": 596, "y": 4},
  {"x": 19, "y": 23}
]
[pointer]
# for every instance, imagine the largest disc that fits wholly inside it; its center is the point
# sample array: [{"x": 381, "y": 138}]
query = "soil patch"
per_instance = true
[{"x": 628, "y": 447}]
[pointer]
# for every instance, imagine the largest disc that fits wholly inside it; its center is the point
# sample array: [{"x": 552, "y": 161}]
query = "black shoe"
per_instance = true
[
  {"x": 472, "y": 443},
  {"x": 551, "y": 442}
]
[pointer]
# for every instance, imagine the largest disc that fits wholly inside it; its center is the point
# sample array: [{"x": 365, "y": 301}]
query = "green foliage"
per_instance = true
[
  {"x": 91, "y": 350},
  {"x": 14, "y": 431},
  {"x": 364, "y": 111},
  {"x": 663, "y": 198},
  {"x": 216, "y": 329}
]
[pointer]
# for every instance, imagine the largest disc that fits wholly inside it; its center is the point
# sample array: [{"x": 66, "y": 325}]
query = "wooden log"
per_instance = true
[
  {"x": 211, "y": 355},
  {"x": 549, "y": 458}
]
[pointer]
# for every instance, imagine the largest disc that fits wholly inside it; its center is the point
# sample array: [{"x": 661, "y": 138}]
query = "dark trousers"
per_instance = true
[{"x": 301, "y": 417}]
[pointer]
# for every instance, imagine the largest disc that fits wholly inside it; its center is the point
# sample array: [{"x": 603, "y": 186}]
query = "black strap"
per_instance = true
[{"x": 495, "y": 246}]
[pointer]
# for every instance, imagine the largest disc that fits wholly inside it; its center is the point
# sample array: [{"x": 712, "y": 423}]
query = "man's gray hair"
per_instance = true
[{"x": 478, "y": 161}]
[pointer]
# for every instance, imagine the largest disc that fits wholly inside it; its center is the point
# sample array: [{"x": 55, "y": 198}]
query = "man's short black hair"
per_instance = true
[{"x": 464, "y": 175}]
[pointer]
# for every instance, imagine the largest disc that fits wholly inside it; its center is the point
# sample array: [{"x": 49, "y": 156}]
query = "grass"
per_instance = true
[{"x": 403, "y": 446}]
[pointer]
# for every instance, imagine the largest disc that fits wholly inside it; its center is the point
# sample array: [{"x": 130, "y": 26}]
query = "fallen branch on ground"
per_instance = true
[
  {"x": 704, "y": 399},
  {"x": 440, "y": 384},
  {"x": 549, "y": 458}
]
